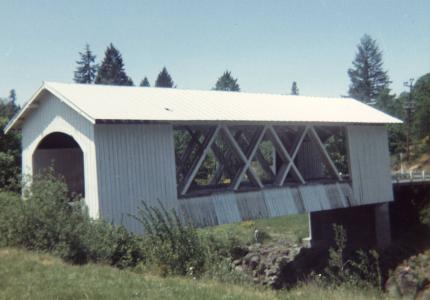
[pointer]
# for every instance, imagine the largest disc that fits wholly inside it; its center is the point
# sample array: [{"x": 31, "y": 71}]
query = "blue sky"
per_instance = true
[{"x": 266, "y": 44}]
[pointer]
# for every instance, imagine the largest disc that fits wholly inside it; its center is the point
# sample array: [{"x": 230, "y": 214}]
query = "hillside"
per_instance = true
[{"x": 25, "y": 275}]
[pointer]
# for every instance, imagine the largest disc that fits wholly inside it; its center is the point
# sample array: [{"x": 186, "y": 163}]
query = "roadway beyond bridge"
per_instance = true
[{"x": 411, "y": 178}]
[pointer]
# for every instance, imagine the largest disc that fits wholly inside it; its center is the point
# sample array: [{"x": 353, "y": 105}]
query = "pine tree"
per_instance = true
[
  {"x": 86, "y": 69},
  {"x": 12, "y": 97},
  {"x": 164, "y": 79},
  {"x": 227, "y": 83},
  {"x": 145, "y": 82},
  {"x": 421, "y": 95},
  {"x": 368, "y": 79},
  {"x": 10, "y": 146},
  {"x": 294, "y": 89},
  {"x": 112, "y": 70}
]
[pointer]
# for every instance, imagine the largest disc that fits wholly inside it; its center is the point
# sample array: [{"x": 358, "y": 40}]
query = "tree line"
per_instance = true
[
  {"x": 111, "y": 71},
  {"x": 369, "y": 83}
]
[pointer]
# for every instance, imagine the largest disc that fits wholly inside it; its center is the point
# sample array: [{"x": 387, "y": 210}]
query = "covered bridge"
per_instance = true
[{"x": 217, "y": 157}]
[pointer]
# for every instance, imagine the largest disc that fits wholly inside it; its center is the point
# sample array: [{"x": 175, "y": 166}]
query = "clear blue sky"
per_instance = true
[{"x": 266, "y": 44}]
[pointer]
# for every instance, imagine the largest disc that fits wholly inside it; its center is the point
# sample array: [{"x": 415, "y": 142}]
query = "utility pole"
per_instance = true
[{"x": 409, "y": 107}]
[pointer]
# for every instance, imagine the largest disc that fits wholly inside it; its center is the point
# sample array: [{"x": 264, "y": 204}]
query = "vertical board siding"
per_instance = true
[
  {"x": 314, "y": 197},
  {"x": 309, "y": 160},
  {"x": 200, "y": 211},
  {"x": 252, "y": 205},
  {"x": 226, "y": 208},
  {"x": 369, "y": 164},
  {"x": 280, "y": 202},
  {"x": 135, "y": 163},
  {"x": 52, "y": 115},
  {"x": 230, "y": 207}
]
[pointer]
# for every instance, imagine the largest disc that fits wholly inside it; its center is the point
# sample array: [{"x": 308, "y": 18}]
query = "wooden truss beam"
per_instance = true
[
  {"x": 246, "y": 158},
  {"x": 288, "y": 161},
  {"x": 325, "y": 155},
  {"x": 244, "y": 145},
  {"x": 195, "y": 135},
  {"x": 260, "y": 158},
  {"x": 209, "y": 139}
]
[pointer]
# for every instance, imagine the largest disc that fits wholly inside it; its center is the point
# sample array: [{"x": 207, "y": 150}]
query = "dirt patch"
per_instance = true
[{"x": 4, "y": 252}]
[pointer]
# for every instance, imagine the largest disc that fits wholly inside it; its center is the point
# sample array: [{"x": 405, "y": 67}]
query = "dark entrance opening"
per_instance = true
[{"x": 62, "y": 153}]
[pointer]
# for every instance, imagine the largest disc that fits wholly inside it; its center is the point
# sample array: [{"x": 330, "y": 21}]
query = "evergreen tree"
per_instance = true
[
  {"x": 86, "y": 69},
  {"x": 227, "y": 83},
  {"x": 112, "y": 70},
  {"x": 421, "y": 96},
  {"x": 294, "y": 89},
  {"x": 164, "y": 79},
  {"x": 388, "y": 103},
  {"x": 12, "y": 97},
  {"x": 145, "y": 82},
  {"x": 368, "y": 79},
  {"x": 10, "y": 147}
]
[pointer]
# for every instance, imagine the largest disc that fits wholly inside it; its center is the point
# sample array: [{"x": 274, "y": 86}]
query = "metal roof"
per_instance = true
[{"x": 119, "y": 103}]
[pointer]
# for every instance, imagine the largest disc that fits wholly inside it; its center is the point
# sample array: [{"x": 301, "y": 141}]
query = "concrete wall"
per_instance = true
[
  {"x": 135, "y": 162},
  {"x": 366, "y": 226},
  {"x": 50, "y": 116}
]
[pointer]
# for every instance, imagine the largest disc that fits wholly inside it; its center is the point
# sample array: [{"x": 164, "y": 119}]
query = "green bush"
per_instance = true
[
  {"x": 360, "y": 269},
  {"x": 48, "y": 220},
  {"x": 172, "y": 245},
  {"x": 10, "y": 219},
  {"x": 112, "y": 244}
]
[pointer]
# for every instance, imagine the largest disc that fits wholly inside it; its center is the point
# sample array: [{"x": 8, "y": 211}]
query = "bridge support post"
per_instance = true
[
  {"x": 366, "y": 226},
  {"x": 382, "y": 225}
]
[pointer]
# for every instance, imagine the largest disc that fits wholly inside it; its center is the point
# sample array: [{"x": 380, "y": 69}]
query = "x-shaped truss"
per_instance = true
[{"x": 246, "y": 156}]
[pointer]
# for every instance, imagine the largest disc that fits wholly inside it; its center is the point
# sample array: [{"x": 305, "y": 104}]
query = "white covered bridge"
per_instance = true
[{"x": 218, "y": 157}]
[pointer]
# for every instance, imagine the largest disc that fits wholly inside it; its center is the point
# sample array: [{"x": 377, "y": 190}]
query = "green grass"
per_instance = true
[
  {"x": 292, "y": 228},
  {"x": 25, "y": 275}
]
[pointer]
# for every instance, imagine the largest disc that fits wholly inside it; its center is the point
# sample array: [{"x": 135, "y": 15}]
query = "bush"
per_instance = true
[
  {"x": 172, "y": 245},
  {"x": 48, "y": 220},
  {"x": 10, "y": 219},
  {"x": 113, "y": 245},
  {"x": 360, "y": 270}
]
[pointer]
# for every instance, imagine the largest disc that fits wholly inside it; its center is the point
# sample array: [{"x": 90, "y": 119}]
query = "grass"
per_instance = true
[
  {"x": 26, "y": 275},
  {"x": 292, "y": 228}
]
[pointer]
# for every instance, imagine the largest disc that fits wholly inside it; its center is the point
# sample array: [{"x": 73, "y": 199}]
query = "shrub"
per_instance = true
[
  {"x": 112, "y": 244},
  {"x": 49, "y": 220},
  {"x": 172, "y": 245},
  {"x": 361, "y": 269},
  {"x": 10, "y": 219}
]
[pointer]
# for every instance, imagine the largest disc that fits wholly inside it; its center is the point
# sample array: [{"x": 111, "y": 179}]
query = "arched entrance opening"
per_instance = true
[{"x": 62, "y": 153}]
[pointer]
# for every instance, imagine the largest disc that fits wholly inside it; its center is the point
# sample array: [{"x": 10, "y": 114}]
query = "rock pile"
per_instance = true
[
  {"x": 411, "y": 279},
  {"x": 276, "y": 264}
]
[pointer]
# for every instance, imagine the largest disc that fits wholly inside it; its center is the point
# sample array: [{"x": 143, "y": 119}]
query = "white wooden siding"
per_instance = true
[
  {"x": 51, "y": 116},
  {"x": 230, "y": 207},
  {"x": 369, "y": 164},
  {"x": 135, "y": 163}
]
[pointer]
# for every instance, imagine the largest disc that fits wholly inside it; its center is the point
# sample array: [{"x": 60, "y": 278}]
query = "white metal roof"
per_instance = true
[{"x": 102, "y": 102}]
